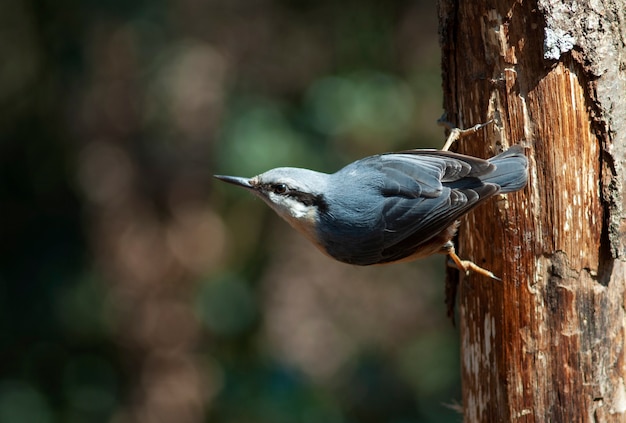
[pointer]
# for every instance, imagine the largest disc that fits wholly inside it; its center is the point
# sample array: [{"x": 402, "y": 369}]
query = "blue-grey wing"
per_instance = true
[{"x": 424, "y": 192}]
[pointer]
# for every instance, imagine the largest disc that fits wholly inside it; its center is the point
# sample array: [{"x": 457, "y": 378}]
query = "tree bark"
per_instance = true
[{"x": 546, "y": 343}]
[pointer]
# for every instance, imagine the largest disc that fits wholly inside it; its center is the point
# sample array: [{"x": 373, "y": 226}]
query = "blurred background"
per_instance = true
[{"x": 136, "y": 288}]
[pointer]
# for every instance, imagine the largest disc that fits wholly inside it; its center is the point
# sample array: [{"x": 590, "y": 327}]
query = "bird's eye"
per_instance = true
[{"x": 279, "y": 188}]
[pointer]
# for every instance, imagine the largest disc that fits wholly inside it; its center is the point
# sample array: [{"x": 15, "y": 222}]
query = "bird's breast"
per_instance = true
[{"x": 306, "y": 222}]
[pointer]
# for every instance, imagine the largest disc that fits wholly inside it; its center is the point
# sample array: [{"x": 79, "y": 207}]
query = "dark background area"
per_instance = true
[{"x": 134, "y": 287}]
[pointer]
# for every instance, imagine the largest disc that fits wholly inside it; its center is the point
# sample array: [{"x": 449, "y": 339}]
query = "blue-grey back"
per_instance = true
[{"x": 384, "y": 207}]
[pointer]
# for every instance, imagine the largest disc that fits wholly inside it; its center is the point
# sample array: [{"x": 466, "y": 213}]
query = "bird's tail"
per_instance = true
[{"x": 511, "y": 170}]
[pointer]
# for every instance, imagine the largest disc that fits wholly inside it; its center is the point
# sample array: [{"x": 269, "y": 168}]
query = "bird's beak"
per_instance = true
[{"x": 236, "y": 180}]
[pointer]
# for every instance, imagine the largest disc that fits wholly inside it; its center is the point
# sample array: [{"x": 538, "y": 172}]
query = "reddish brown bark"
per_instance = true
[{"x": 546, "y": 343}]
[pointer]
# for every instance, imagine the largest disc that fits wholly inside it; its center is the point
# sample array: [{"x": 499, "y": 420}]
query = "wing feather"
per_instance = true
[{"x": 424, "y": 191}]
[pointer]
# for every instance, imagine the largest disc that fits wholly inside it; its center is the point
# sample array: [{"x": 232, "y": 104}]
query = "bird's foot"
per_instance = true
[
  {"x": 457, "y": 133},
  {"x": 467, "y": 265}
]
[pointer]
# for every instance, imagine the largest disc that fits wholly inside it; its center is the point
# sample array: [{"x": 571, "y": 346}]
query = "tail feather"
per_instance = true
[{"x": 511, "y": 171}]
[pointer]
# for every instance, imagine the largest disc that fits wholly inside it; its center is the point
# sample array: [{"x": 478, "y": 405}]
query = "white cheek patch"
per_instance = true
[
  {"x": 301, "y": 217},
  {"x": 299, "y": 210},
  {"x": 289, "y": 206}
]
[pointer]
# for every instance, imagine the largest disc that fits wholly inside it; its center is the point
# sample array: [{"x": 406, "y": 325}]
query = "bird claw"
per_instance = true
[
  {"x": 457, "y": 133},
  {"x": 467, "y": 265}
]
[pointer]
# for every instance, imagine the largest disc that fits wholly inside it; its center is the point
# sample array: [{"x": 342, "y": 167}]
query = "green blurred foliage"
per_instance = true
[
  {"x": 226, "y": 306},
  {"x": 365, "y": 106},
  {"x": 20, "y": 402},
  {"x": 114, "y": 115},
  {"x": 258, "y": 135}
]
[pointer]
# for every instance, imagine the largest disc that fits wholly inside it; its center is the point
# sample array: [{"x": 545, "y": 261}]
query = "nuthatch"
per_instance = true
[{"x": 390, "y": 207}]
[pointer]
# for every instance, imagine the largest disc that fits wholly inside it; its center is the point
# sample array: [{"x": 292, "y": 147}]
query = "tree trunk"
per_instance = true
[{"x": 546, "y": 343}]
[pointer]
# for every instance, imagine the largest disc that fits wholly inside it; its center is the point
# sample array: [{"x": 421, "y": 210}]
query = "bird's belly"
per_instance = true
[
  {"x": 367, "y": 252},
  {"x": 435, "y": 245}
]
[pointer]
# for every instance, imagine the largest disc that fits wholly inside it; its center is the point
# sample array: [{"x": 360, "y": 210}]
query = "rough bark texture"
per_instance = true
[{"x": 546, "y": 343}]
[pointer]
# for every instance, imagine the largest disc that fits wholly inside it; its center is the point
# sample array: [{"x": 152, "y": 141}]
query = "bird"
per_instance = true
[{"x": 390, "y": 207}]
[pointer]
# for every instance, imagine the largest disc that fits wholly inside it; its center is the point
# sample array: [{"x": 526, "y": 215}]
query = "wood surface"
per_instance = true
[{"x": 546, "y": 343}]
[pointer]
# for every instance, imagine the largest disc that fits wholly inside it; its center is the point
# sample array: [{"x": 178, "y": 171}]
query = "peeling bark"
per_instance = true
[{"x": 547, "y": 343}]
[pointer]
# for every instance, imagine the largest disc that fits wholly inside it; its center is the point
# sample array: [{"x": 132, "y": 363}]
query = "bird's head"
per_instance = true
[{"x": 295, "y": 194}]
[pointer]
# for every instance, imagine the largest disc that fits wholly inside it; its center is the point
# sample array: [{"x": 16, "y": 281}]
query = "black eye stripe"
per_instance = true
[
  {"x": 310, "y": 200},
  {"x": 305, "y": 198}
]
